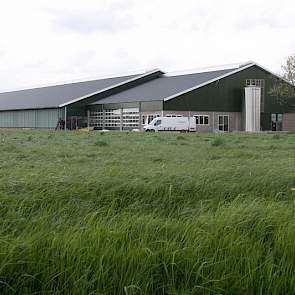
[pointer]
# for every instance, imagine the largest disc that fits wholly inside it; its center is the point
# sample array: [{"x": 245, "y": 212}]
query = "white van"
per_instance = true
[{"x": 184, "y": 124}]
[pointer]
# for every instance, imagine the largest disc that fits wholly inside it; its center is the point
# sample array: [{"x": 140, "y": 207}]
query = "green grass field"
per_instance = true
[{"x": 133, "y": 213}]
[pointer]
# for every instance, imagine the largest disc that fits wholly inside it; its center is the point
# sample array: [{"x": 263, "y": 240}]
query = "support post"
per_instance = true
[
  {"x": 139, "y": 117},
  {"x": 103, "y": 118},
  {"x": 65, "y": 118},
  {"x": 88, "y": 119},
  {"x": 121, "y": 119}
]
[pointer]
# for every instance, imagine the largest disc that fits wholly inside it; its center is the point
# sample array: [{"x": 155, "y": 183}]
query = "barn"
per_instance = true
[{"x": 219, "y": 98}]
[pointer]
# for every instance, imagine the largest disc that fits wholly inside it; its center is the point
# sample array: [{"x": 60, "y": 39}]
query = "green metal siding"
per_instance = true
[
  {"x": 44, "y": 118},
  {"x": 227, "y": 94},
  {"x": 265, "y": 121}
]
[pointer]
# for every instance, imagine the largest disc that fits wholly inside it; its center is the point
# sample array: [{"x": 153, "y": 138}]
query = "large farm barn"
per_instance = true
[{"x": 221, "y": 99}]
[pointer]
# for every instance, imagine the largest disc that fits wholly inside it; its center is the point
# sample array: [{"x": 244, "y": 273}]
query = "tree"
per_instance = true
[{"x": 281, "y": 89}]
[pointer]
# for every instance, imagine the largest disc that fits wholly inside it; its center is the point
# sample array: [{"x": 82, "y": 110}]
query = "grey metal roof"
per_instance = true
[
  {"x": 53, "y": 96},
  {"x": 163, "y": 87}
]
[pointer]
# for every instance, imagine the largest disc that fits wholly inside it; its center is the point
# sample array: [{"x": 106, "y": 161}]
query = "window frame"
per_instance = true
[
  {"x": 158, "y": 122},
  {"x": 201, "y": 121},
  {"x": 222, "y": 124},
  {"x": 258, "y": 83},
  {"x": 148, "y": 118},
  {"x": 173, "y": 116}
]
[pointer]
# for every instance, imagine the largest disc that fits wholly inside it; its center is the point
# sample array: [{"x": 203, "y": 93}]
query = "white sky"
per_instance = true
[{"x": 47, "y": 41}]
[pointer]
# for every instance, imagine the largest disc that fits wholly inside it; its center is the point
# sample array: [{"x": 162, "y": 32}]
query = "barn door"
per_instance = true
[{"x": 276, "y": 122}]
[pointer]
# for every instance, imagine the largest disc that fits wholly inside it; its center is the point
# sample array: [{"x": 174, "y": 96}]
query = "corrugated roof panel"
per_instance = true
[
  {"x": 163, "y": 87},
  {"x": 53, "y": 96}
]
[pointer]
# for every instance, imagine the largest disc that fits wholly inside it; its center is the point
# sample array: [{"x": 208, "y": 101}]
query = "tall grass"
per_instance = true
[{"x": 142, "y": 214}]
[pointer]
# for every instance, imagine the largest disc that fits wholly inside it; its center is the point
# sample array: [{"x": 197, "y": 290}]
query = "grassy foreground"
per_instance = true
[{"x": 130, "y": 213}]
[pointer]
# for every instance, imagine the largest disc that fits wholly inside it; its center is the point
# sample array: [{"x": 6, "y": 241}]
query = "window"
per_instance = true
[
  {"x": 115, "y": 118},
  {"x": 147, "y": 119},
  {"x": 96, "y": 118},
  {"x": 173, "y": 115},
  {"x": 255, "y": 82},
  {"x": 274, "y": 117},
  {"x": 202, "y": 120},
  {"x": 130, "y": 117},
  {"x": 280, "y": 117},
  {"x": 276, "y": 122},
  {"x": 223, "y": 123},
  {"x": 107, "y": 118},
  {"x": 158, "y": 122}
]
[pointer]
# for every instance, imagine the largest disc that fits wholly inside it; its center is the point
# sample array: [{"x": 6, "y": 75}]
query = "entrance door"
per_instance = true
[
  {"x": 223, "y": 123},
  {"x": 276, "y": 122}
]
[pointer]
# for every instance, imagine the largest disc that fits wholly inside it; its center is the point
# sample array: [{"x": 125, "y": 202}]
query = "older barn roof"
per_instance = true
[
  {"x": 61, "y": 95},
  {"x": 53, "y": 96}
]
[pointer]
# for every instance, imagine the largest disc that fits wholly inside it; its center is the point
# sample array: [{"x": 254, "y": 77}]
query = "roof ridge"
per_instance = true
[
  {"x": 76, "y": 81},
  {"x": 207, "y": 69}
]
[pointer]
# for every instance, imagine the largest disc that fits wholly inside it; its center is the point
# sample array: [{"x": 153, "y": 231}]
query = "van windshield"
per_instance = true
[{"x": 158, "y": 122}]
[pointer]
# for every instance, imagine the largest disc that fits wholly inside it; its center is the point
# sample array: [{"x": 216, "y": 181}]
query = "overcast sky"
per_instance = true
[{"x": 47, "y": 41}]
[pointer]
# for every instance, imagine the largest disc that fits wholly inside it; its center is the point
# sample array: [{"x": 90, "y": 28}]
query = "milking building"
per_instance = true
[{"x": 230, "y": 98}]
